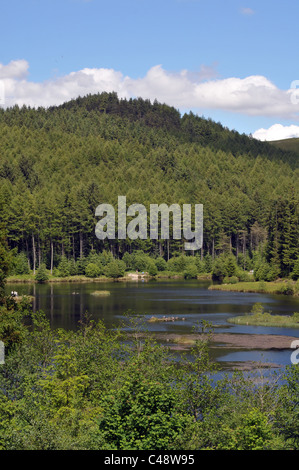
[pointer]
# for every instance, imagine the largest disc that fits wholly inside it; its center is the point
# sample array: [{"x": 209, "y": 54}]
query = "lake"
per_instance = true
[{"x": 191, "y": 301}]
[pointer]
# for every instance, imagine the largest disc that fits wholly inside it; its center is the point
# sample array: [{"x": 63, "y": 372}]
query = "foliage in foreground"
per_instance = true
[{"x": 89, "y": 389}]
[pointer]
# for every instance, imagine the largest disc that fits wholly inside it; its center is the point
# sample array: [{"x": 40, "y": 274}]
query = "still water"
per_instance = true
[{"x": 191, "y": 301}]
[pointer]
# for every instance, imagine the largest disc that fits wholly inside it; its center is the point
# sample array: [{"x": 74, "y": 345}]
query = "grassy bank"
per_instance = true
[
  {"x": 284, "y": 287},
  {"x": 129, "y": 276},
  {"x": 258, "y": 317},
  {"x": 28, "y": 278}
]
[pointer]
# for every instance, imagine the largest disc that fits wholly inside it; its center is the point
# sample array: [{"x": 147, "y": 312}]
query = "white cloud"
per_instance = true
[
  {"x": 277, "y": 132},
  {"x": 254, "y": 95},
  {"x": 15, "y": 69}
]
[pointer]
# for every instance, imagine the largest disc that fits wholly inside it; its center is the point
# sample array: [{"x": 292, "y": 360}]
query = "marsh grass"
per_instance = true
[
  {"x": 283, "y": 287},
  {"x": 258, "y": 317},
  {"x": 101, "y": 293}
]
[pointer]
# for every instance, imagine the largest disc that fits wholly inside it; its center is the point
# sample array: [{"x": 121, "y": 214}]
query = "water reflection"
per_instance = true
[{"x": 66, "y": 303}]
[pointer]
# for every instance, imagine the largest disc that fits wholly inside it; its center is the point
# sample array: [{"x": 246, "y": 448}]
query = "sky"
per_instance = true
[{"x": 233, "y": 61}]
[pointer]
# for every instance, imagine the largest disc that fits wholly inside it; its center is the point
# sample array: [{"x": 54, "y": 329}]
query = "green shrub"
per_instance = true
[
  {"x": 161, "y": 264},
  {"x": 230, "y": 265},
  {"x": 152, "y": 268},
  {"x": 92, "y": 270},
  {"x": 140, "y": 261},
  {"x": 20, "y": 264},
  {"x": 142, "y": 415},
  {"x": 177, "y": 264},
  {"x": 208, "y": 260},
  {"x": 230, "y": 280},
  {"x": 191, "y": 272},
  {"x": 243, "y": 276},
  {"x": 295, "y": 272},
  {"x": 200, "y": 264},
  {"x": 219, "y": 271},
  {"x": 287, "y": 289},
  {"x": 115, "y": 269},
  {"x": 128, "y": 260},
  {"x": 265, "y": 272},
  {"x": 64, "y": 267},
  {"x": 41, "y": 274}
]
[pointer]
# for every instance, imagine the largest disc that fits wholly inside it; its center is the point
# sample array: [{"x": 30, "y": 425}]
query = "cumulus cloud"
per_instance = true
[
  {"x": 16, "y": 69},
  {"x": 277, "y": 132},
  {"x": 254, "y": 95}
]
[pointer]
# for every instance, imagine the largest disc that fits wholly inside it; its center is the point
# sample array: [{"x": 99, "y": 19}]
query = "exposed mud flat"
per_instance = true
[
  {"x": 230, "y": 340},
  {"x": 252, "y": 341}
]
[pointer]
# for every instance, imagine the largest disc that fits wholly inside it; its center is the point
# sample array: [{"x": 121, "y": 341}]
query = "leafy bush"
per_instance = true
[
  {"x": 177, "y": 264},
  {"x": 128, "y": 260},
  {"x": 295, "y": 272},
  {"x": 140, "y": 261},
  {"x": 64, "y": 267},
  {"x": 20, "y": 264},
  {"x": 161, "y": 264},
  {"x": 191, "y": 272},
  {"x": 219, "y": 269},
  {"x": 142, "y": 415},
  {"x": 92, "y": 270},
  {"x": 152, "y": 268},
  {"x": 243, "y": 276},
  {"x": 115, "y": 269},
  {"x": 287, "y": 289},
  {"x": 230, "y": 265},
  {"x": 265, "y": 272},
  {"x": 230, "y": 280},
  {"x": 41, "y": 274}
]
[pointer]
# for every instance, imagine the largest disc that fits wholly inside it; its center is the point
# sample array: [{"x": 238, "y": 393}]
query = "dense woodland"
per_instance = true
[
  {"x": 95, "y": 388},
  {"x": 58, "y": 164}
]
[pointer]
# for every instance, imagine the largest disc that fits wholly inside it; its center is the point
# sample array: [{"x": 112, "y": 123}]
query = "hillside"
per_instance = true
[
  {"x": 289, "y": 145},
  {"x": 58, "y": 164}
]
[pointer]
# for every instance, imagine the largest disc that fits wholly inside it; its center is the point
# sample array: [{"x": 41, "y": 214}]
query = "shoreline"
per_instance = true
[
  {"x": 279, "y": 287},
  {"x": 84, "y": 279}
]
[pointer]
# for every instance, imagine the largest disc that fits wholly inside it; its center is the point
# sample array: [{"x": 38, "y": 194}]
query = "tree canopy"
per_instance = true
[{"x": 58, "y": 164}]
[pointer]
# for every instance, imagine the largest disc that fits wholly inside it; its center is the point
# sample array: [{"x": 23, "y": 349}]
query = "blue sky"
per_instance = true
[{"x": 233, "y": 60}]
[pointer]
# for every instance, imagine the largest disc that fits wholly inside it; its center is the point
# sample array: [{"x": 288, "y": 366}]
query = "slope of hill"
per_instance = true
[{"x": 289, "y": 145}]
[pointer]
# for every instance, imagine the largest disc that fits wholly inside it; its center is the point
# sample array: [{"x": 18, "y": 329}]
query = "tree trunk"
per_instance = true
[
  {"x": 52, "y": 256},
  {"x": 33, "y": 253},
  {"x": 28, "y": 256},
  {"x": 81, "y": 244},
  {"x": 73, "y": 243},
  {"x": 39, "y": 253}
]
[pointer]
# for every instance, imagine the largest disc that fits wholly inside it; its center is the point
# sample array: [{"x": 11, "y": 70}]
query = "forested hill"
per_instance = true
[
  {"x": 188, "y": 128},
  {"x": 58, "y": 164}
]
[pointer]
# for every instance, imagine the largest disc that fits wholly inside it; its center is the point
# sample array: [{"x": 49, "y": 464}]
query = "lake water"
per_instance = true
[{"x": 191, "y": 301}]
